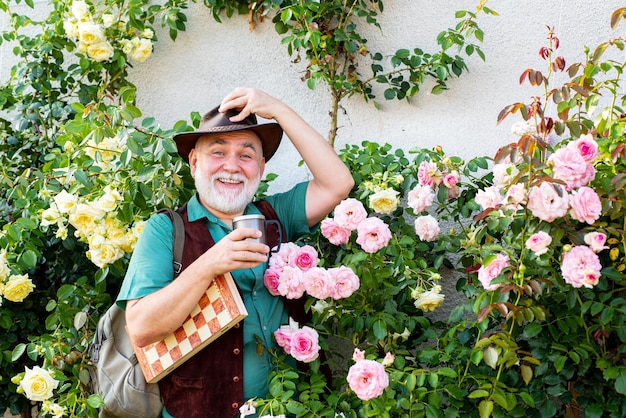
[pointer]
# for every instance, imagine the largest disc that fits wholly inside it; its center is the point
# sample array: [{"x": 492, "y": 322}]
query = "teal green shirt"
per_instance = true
[{"x": 151, "y": 269}]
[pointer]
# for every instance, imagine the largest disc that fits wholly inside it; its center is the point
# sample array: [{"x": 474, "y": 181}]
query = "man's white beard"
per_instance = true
[{"x": 222, "y": 200}]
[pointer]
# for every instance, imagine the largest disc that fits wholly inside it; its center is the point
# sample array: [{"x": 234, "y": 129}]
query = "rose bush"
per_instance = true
[{"x": 539, "y": 236}]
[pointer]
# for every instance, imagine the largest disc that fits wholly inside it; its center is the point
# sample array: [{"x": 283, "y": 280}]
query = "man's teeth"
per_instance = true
[{"x": 232, "y": 181}]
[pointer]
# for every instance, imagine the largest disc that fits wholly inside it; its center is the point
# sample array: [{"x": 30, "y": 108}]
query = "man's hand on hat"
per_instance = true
[{"x": 249, "y": 100}]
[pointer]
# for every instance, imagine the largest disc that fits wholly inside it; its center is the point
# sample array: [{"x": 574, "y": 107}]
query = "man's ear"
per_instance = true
[
  {"x": 193, "y": 161},
  {"x": 262, "y": 167}
]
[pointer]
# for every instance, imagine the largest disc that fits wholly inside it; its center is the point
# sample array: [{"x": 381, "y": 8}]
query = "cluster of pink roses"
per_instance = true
[
  {"x": 572, "y": 167},
  {"x": 367, "y": 378},
  {"x": 350, "y": 215},
  {"x": 294, "y": 270},
  {"x": 301, "y": 343}
]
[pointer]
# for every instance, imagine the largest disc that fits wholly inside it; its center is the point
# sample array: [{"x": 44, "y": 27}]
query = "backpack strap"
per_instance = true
[{"x": 179, "y": 238}]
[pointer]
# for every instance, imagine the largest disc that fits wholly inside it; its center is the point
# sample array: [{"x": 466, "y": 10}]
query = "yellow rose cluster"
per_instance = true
[
  {"x": 91, "y": 34},
  {"x": 13, "y": 287},
  {"x": 95, "y": 222}
]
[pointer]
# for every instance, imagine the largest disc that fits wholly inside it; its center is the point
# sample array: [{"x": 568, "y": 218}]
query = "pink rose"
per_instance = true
[
  {"x": 596, "y": 241},
  {"x": 373, "y": 234},
  {"x": 317, "y": 283},
  {"x": 271, "y": 280},
  {"x": 349, "y": 213},
  {"x": 304, "y": 258},
  {"x": 492, "y": 270},
  {"x": 280, "y": 259},
  {"x": 283, "y": 336},
  {"x": 451, "y": 179},
  {"x": 503, "y": 173},
  {"x": 368, "y": 379},
  {"x": 585, "y": 205},
  {"x": 581, "y": 267},
  {"x": 304, "y": 344},
  {"x": 539, "y": 242},
  {"x": 420, "y": 198},
  {"x": 586, "y": 146},
  {"x": 569, "y": 166},
  {"x": 345, "y": 282},
  {"x": 516, "y": 194},
  {"x": 491, "y": 197},
  {"x": 291, "y": 284},
  {"x": 427, "y": 228},
  {"x": 428, "y": 174},
  {"x": 545, "y": 202},
  {"x": 335, "y": 234}
]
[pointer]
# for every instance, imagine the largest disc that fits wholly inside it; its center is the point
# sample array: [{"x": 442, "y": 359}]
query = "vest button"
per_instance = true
[
  {"x": 237, "y": 325},
  {"x": 234, "y": 405},
  {"x": 236, "y": 351},
  {"x": 236, "y": 379}
]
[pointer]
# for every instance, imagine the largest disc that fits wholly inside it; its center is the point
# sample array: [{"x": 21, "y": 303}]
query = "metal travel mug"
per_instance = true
[{"x": 260, "y": 223}]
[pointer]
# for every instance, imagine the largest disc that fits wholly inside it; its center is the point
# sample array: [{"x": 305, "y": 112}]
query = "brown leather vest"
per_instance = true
[{"x": 210, "y": 384}]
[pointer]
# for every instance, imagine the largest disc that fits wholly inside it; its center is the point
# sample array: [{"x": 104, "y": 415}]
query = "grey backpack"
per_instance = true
[{"x": 116, "y": 375}]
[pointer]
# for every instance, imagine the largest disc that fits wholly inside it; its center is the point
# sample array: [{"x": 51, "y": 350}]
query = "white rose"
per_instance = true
[
  {"x": 108, "y": 201},
  {"x": 80, "y": 10},
  {"x": 107, "y": 20},
  {"x": 50, "y": 216},
  {"x": 71, "y": 28},
  {"x": 4, "y": 267},
  {"x": 38, "y": 384},
  {"x": 65, "y": 202},
  {"x": 427, "y": 228}
]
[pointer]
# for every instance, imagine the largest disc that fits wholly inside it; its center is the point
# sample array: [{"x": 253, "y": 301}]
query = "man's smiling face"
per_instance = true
[{"x": 227, "y": 169}]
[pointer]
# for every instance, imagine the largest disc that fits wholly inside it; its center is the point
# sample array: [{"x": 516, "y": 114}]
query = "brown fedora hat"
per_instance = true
[{"x": 215, "y": 122}]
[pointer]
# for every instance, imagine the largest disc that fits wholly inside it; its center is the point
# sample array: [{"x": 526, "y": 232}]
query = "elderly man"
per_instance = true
[{"x": 227, "y": 157}]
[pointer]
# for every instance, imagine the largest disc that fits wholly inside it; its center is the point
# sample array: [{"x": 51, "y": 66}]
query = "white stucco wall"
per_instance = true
[{"x": 210, "y": 58}]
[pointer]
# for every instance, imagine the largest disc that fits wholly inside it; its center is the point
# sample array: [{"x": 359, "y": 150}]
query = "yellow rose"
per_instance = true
[
  {"x": 109, "y": 200},
  {"x": 90, "y": 33},
  {"x": 430, "y": 300},
  {"x": 85, "y": 218},
  {"x": 38, "y": 384},
  {"x": 104, "y": 253},
  {"x": 18, "y": 287},
  {"x": 142, "y": 48},
  {"x": 100, "y": 51},
  {"x": 384, "y": 201}
]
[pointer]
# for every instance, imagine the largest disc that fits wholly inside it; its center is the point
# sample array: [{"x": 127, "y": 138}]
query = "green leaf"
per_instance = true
[
  {"x": 18, "y": 351},
  {"x": 380, "y": 329},
  {"x": 485, "y": 408},
  {"x": 620, "y": 382}
]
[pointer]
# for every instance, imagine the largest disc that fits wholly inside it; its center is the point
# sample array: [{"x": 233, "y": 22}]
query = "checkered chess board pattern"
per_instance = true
[{"x": 217, "y": 311}]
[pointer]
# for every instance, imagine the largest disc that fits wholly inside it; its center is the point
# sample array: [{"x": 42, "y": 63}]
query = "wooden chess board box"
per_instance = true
[{"x": 219, "y": 309}]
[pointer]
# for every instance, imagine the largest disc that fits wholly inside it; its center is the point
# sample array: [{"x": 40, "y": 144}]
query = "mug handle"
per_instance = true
[{"x": 280, "y": 233}]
